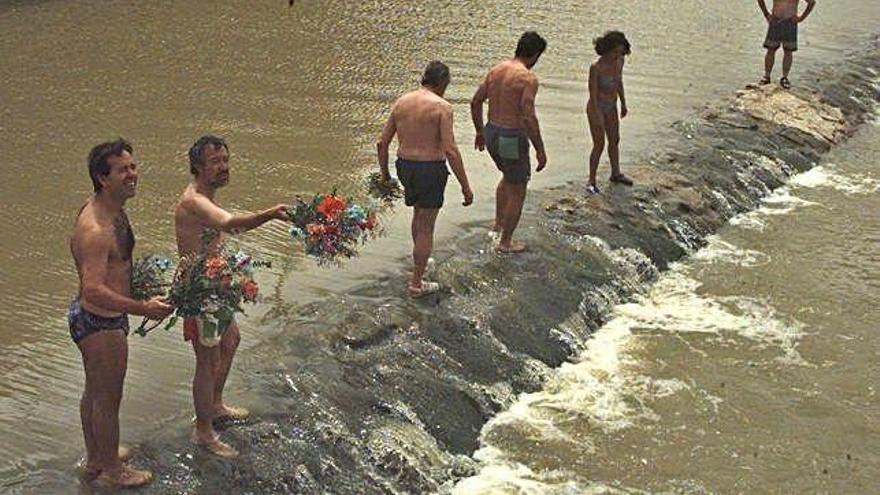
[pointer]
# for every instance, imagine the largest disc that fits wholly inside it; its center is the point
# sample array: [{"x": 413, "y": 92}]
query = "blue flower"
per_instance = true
[
  {"x": 356, "y": 212},
  {"x": 297, "y": 233}
]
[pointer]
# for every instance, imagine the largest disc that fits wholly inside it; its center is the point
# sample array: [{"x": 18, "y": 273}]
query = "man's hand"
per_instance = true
[
  {"x": 480, "y": 142},
  {"x": 797, "y": 19},
  {"x": 542, "y": 160},
  {"x": 157, "y": 309},
  {"x": 623, "y": 111},
  {"x": 468, "y": 196},
  {"x": 279, "y": 212}
]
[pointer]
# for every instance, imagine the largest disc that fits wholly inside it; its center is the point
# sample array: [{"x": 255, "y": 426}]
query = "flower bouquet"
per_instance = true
[
  {"x": 386, "y": 190},
  {"x": 211, "y": 286},
  {"x": 149, "y": 277},
  {"x": 330, "y": 227}
]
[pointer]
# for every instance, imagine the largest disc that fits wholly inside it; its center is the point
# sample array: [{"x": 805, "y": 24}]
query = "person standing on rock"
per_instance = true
[
  {"x": 101, "y": 245},
  {"x": 782, "y": 31},
  {"x": 605, "y": 86},
  {"x": 422, "y": 121},
  {"x": 195, "y": 213},
  {"x": 511, "y": 88}
]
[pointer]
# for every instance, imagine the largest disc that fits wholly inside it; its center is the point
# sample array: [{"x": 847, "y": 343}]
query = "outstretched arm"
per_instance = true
[
  {"x": 384, "y": 142},
  {"x": 477, "y": 113},
  {"x": 450, "y": 149},
  {"x": 811, "y": 4},
  {"x": 219, "y": 219}
]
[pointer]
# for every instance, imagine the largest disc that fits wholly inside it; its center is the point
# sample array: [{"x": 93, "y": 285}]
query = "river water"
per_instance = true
[{"x": 301, "y": 93}]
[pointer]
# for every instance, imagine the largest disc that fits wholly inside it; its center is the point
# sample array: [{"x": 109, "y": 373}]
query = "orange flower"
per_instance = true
[
  {"x": 250, "y": 290},
  {"x": 214, "y": 267},
  {"x": 315, "y": 229},
  {"x": 331, "y": 207}
]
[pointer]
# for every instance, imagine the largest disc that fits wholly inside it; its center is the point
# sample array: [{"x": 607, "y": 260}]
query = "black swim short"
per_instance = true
[
  {"x": 424, "y": 183},
  {"x": 82, "y": 323},
  {"x": 782, "y": 32},
  {"x": 509, "y": 149}
]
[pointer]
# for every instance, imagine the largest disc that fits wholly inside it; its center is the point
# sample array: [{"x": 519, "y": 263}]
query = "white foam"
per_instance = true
[
  {"x": 780, "y": 202},
  {"x": 829, "y": 176},
  {"x": 720, "y": 251}
]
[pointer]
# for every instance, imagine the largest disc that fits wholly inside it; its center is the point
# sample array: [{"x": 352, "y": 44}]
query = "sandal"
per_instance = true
[
  {"x": 592, "y": 189},
  {"x": 621, "y": 179},
  {"x": 785, "y": 83},
  {"x": 764, "y": 81}
]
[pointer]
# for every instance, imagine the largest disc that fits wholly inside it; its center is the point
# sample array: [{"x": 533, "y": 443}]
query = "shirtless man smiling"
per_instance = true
[
  {"x": 195, "y": 213},
  {"x": 511, "y": 88},
  {"x": 102, "y": 245},
  {"x": 782, "y": 31},
  {"x": 422, "y": 120}
]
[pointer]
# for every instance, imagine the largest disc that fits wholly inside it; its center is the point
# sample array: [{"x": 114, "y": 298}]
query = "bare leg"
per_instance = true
[
  {"x": 85, "y": 413},
  {"x": 787, "y": 60},
  {"x": 597, "y": 132},
  {"x": 105, "y": 355},
  {"x": 516, "y": 195},
  {"x": 228, "y": 345},
  {"x": 769, "y": 61},
  {"x": 612, "y": 131},
  {"x": 423, "y": 222},
  {"x": 204, "y": 382},
  {"x": 500, "y": 205}
]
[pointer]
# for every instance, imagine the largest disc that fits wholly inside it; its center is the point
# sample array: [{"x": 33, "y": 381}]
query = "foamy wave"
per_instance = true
[
  {"x": 717, "y": 250},
  {"x": 829, "y": 176},
  {"x": 780, "y": 202}
]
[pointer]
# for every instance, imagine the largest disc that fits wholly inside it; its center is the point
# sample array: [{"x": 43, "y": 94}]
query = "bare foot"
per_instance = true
[
  {"x": 214, "y": 446},
  {"x": 424, "y": 289},
  {"x": 125, "y": 477},
  {"x": 91, "y": 471},
  {"x": 226, "y": 414},
  {"x": 513, "y": 248}
]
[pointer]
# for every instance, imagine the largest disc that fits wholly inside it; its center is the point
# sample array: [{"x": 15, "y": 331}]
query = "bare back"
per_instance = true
[
  {"x": 188, "y": 225},
  {"x": 505, "y": 85},
  {"x": 418, "y": 117},
  {"x": 785, "y": 9},
  {"x": 94, "y": 234}
]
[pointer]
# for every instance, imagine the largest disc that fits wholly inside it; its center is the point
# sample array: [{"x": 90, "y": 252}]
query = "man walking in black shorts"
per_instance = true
[
  {"x": 782, "y": 31},
  {"x": 422, "y": 120}
]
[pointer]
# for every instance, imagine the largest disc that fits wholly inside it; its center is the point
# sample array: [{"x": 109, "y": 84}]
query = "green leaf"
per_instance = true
[{"x": 171, "y": 322}]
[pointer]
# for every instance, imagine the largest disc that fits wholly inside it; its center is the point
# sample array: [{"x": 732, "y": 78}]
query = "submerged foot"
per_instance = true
[
  {"x": 124, "y": 477},
  {"x": 785, "y": 83},
  {"x": 228, "y": 414},
  {"x": 592, "y": 189},
  {"x": 621, "y": 179},
  {"x": 422, "y": 290},
  {"x": 513, "y": 248},
  {"x": 214, "y": 445},
  {"x": 90, "y": 471}
]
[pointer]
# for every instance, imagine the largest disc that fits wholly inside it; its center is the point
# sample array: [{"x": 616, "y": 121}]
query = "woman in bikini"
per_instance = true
[{"x": 605, "y": 85}]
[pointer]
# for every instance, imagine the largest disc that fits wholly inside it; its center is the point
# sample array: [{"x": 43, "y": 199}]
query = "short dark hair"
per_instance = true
[
  {"x": 98, "y": 165},
  {"x": 197, "y": 151},
  {"x": 530, "y": 44},
  {"x": 610, "y": 41},
  {"x": 436, "y": 74}
]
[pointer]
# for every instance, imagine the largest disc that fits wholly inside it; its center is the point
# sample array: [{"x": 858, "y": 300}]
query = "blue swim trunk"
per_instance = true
[
  {"x": 424, "y": 183},
  {"x": 83, "y": 323}
]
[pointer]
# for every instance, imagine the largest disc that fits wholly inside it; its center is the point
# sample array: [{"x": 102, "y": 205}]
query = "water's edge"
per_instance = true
[{"x": 362, "y": 398}]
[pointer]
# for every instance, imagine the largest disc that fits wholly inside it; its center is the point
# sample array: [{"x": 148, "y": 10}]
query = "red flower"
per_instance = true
[
  {"x": 331, "y": 207},
  {"x": 214, "y": 267},
  {"x": 249, "y": 290}
]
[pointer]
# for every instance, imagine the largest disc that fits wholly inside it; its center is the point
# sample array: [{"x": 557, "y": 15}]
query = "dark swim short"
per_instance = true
[
  {"x": 782, "y": 32},
  {"x": 509, "y": 149},
  {"x": 82, "y": 323},
  {"x": 424, "y": 183}
]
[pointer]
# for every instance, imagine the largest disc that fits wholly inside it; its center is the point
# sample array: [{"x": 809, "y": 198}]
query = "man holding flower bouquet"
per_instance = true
[
  {"x": 196, "y": 215},
  {"x": 102, "y": 245},
  {"x": 422, "y": 121}
]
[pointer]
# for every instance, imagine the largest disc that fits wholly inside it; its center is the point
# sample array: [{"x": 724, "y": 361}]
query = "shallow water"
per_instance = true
[
  {"x": 747, "y": 368},
  {"x": 300, "y": 94}
]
